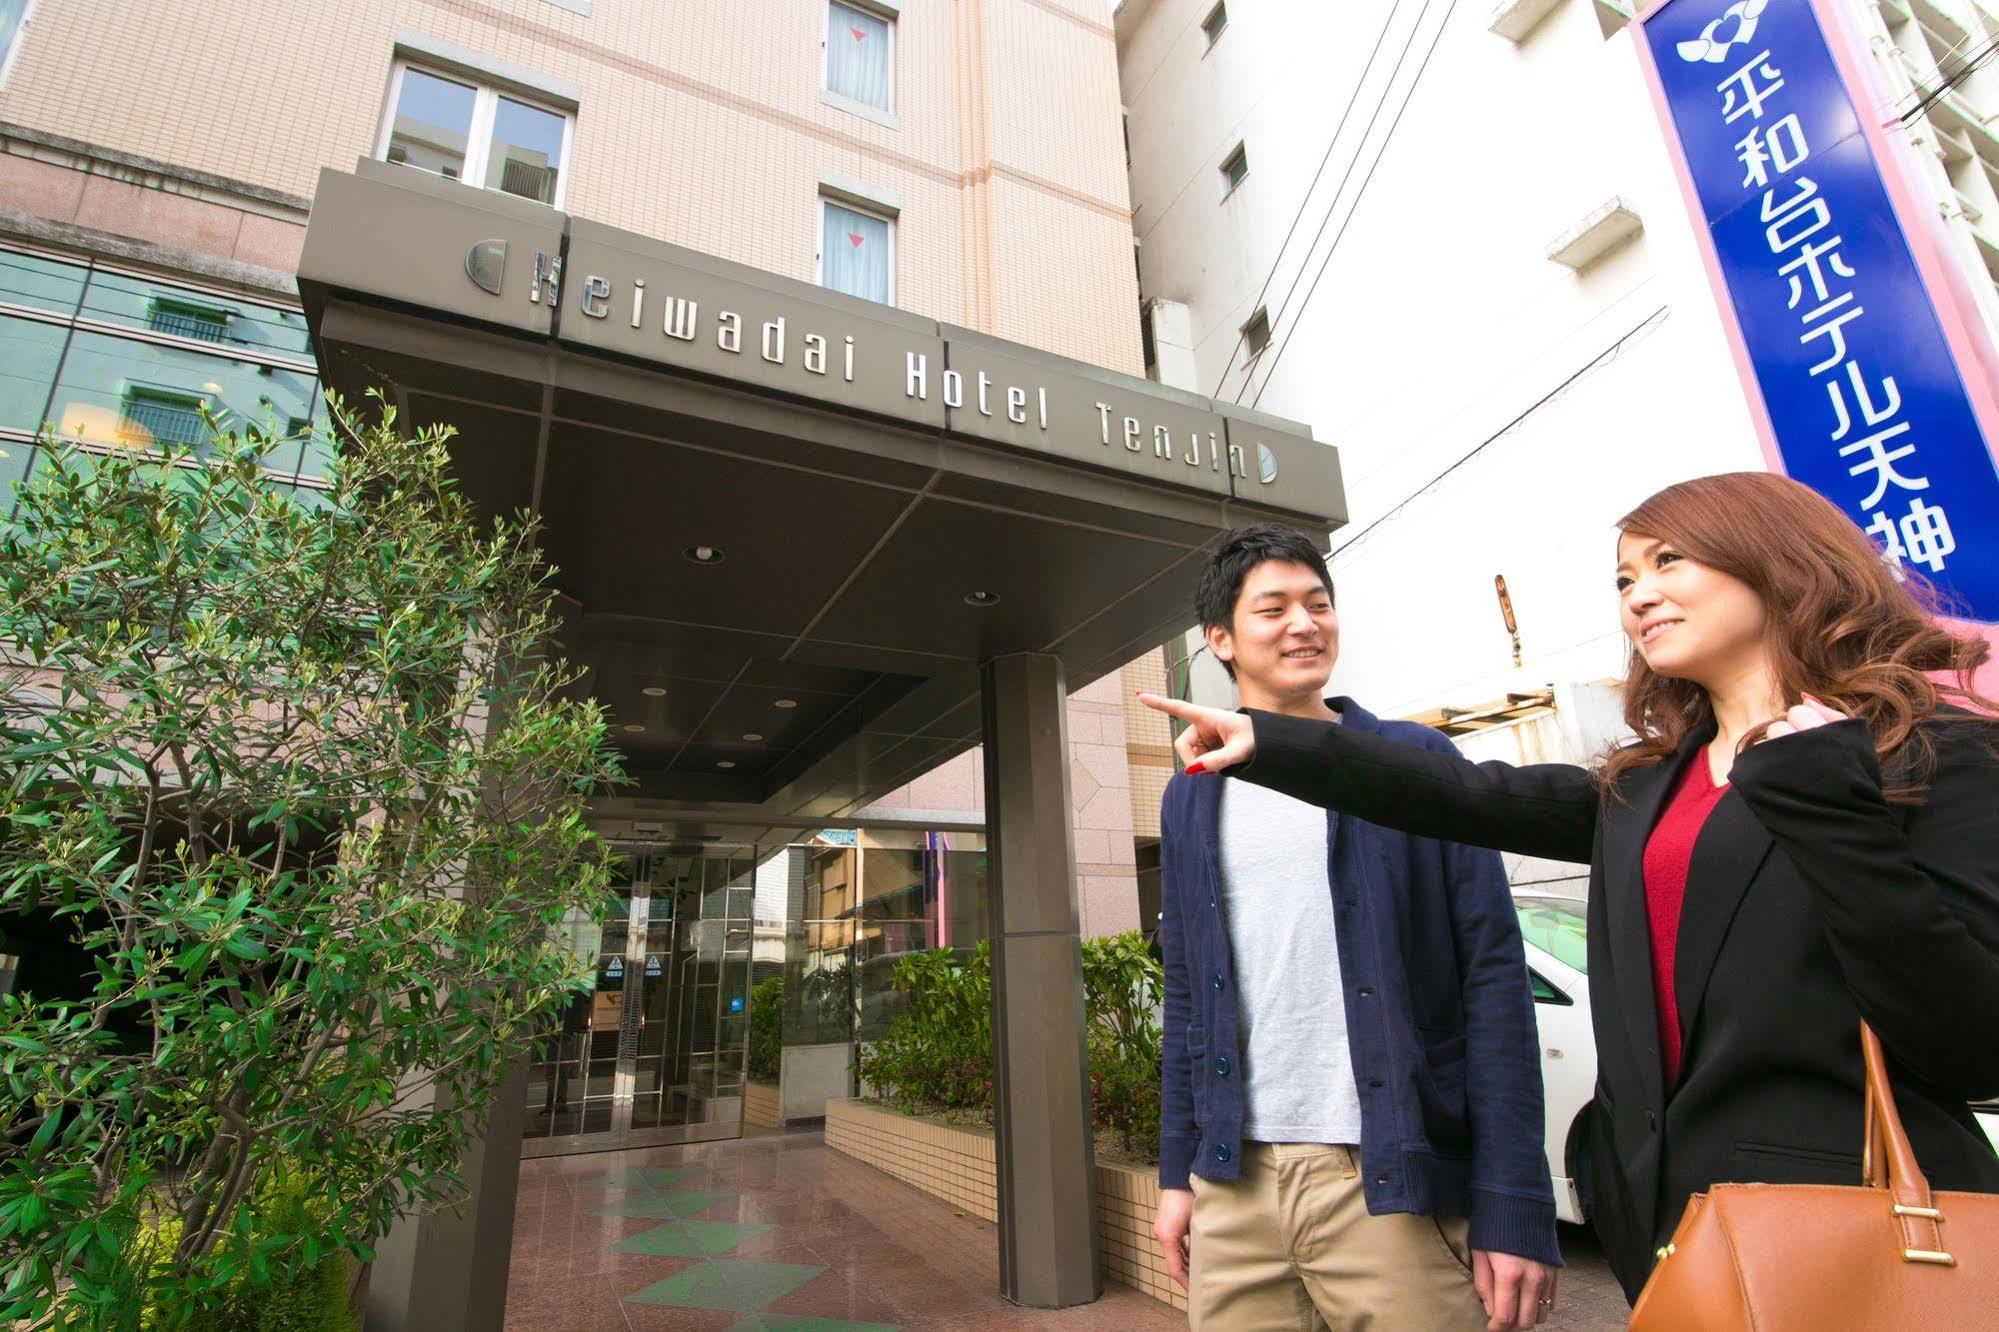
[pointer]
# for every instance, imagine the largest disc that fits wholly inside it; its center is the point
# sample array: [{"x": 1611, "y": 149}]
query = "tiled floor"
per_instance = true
[
  {"x": 776, "y": 1234},
  {"x": 773, "y": 1233}
]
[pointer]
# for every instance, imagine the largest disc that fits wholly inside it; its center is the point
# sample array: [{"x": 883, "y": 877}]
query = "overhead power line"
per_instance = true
[
  {"x": 1928, "y": 98},
  {"x": 1339, "y": 129},
  {"x": 1602, "y": 358},
  {"x": 1354, "y": 206}
]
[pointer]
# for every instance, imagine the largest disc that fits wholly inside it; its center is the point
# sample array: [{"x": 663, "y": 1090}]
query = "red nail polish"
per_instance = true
[{"x": 1196, "y": 768}]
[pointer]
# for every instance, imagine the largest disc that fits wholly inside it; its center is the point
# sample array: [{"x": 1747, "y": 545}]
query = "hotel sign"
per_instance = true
[
  {"x": 615, "y": 293},
  {"x": 1866, "y": 399},
  {"x": 635, "y": 297}
]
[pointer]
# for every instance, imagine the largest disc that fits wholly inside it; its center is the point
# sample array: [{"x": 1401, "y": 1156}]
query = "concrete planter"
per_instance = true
[
  {"x": 955, "y": 1163},
  {"x": 760, "y": 1105}
]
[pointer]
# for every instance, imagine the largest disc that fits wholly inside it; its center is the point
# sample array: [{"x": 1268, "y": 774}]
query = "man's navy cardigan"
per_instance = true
[{"x": 1440, "y": 1018}]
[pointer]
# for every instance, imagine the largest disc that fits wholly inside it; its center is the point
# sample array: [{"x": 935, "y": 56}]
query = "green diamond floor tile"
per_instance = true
[
  {"x": 663, "y": 1206},
  {"x": 784, "y": 1323},
  {"x": 689, "y": 1239},
  {"x": 721, "y": 1284},
  {"x": 650, "y": 1177}
]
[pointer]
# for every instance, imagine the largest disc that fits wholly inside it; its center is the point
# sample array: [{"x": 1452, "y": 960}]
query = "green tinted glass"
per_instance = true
[
  {"x": 29, "y": 353},
  {"x": 230, "y": 322},
  {"x": 45, "y": 284},
  {"x": 143, "y": 395},
  {"x": 1556, "y": 927}
]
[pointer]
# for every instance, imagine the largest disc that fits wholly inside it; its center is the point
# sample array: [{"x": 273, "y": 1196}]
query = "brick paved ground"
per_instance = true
[
  {"x": 778, "y": 1234},
  {"x": 1589, "y": 1299}
]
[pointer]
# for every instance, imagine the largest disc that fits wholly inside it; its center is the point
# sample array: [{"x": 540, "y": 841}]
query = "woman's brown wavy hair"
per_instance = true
[{"x": 1841, "y": 625}]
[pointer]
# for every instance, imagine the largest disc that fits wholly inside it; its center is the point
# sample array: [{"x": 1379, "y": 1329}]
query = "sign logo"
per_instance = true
[
  {"x": 486, "y": 264},
  {"x": 1705, "y": 48}
]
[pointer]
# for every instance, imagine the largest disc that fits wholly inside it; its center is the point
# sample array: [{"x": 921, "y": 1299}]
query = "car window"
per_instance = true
[
  {"x": 1544, "y": 992},
  {"x": 1555, "y": 926}
]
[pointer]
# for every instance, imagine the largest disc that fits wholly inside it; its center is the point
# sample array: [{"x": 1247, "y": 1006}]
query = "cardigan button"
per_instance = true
[
  {"x": 1218, "y": 982},
  {"x": 1221, "y": 1151},
  {"x": 1222, "y": 1066}
]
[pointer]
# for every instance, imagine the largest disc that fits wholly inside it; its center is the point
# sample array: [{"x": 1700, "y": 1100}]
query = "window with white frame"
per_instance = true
[
  {"x": 465, "y": 131},
  {"x": 860, "y": 55},
  {"x": 856, "y": 251}
]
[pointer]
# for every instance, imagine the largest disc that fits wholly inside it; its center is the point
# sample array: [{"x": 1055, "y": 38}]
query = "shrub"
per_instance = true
[
  {"x": 306, "y": 780},
  {"x": 938, "y": 1055},
  {"x": 1123, "y": 987},
  {"x": 766, "y": 1027},
  {"x": 306, "y": 1294}
]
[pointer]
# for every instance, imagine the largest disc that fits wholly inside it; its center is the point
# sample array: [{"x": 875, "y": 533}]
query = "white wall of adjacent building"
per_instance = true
[{"x": 1496, "y": 411}]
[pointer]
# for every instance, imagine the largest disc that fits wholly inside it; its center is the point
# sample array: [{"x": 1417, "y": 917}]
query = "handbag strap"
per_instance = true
[{"x": 1888, "y": 1163}]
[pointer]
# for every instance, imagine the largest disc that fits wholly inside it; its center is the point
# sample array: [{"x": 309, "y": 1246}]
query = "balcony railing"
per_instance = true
[{"x": 161, "y": 423}]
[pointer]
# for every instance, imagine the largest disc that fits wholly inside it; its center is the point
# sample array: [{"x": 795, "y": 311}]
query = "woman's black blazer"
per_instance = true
[{"x": 1811, "y": 903}]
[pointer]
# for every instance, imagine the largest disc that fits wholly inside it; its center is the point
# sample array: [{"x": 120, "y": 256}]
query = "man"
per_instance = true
[{"x": 1351, "y": 1114}]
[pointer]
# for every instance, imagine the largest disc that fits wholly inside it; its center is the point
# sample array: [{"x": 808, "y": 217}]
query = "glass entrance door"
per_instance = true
[{"x": 654, "y": 1052}]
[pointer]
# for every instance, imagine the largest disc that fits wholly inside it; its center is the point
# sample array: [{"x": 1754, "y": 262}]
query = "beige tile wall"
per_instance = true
[
  {"x": 1148, "y": 739},
  {"x": 761, "y": 1106},
  {"x": 699, "y": 122},
  {"x": 956, "y": 1164}
]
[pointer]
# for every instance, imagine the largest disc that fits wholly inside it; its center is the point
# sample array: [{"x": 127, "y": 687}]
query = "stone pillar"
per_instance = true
[
  {"x": 1041, "y": 1091},
  {"x": 448, "y": 1270}
]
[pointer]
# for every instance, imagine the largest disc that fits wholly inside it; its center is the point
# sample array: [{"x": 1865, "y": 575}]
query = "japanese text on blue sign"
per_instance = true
[{"x": 1865, "y": 400}]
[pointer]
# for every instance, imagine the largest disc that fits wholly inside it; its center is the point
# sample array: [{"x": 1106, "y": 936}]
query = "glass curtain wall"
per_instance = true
[
  {"x": 118, "y": 359},
  {"x": 833, "y": 916}
]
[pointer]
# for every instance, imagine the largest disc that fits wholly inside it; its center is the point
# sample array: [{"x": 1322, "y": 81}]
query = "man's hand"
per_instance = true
[
  {"x": 1169, "y": 1227},
  {"x": 1517, "y": 1292},
  {"x": 1214, "y": 738}
]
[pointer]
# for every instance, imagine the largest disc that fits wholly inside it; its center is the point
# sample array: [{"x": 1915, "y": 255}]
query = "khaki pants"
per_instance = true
[{"x": 1291, "y": 1246}]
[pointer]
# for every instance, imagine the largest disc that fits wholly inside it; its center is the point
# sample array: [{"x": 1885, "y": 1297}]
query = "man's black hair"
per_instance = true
[{"x": 1243, "y": 550}]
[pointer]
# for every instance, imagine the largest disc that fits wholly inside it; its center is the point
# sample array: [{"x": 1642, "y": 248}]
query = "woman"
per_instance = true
[{"x": 1803, "y": 835}]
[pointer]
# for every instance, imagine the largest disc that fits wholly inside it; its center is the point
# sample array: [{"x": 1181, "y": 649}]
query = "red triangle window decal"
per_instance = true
[
  {"x": 854, "y": 240},
  {"x": 860, "y": 34}
]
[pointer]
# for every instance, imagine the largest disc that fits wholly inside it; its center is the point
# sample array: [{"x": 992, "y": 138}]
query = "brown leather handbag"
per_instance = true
[{"x": 1888, "y": 1254}]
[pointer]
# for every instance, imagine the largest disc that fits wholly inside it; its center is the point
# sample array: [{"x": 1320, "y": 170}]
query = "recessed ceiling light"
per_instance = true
[
  {"x": 705, "y": 554},
  {"x": 786, "y": 703},
  {"x": 982, "y": 599},
  {"x": 726, "y": 763},
  {"x": 634, "y": 727},
  {"x": 653, "y": 691},
  {"x": 752, "y": 738}
]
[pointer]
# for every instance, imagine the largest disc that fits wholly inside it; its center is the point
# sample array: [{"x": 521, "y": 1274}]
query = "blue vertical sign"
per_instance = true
[{"x": 1863, "y": 395}]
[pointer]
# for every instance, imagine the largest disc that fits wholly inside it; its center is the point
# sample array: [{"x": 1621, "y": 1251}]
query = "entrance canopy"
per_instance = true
[{"x": 790, "y": 524}]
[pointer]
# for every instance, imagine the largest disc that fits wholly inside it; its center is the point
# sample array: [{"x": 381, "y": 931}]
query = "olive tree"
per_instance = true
[{"x": 303, "y": 780}]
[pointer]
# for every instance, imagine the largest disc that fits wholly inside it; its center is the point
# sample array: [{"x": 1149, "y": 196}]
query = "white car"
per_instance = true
[{"x": 1557, "y": 966}]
